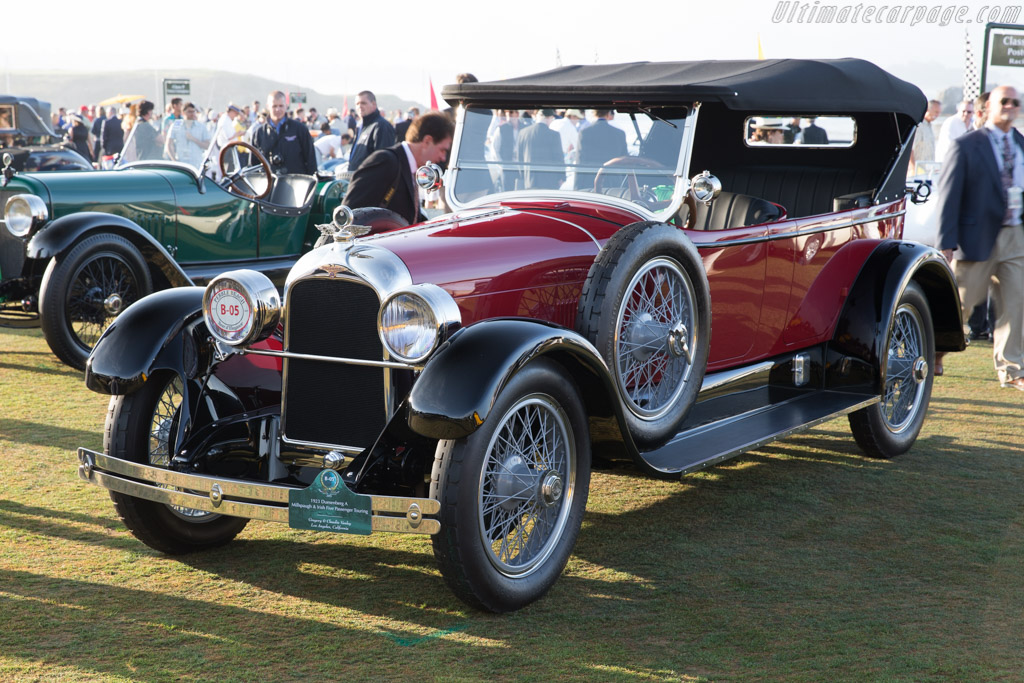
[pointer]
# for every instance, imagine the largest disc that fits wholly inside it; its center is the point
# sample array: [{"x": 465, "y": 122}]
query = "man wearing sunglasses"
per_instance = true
[{"x": 980, "y": 232}]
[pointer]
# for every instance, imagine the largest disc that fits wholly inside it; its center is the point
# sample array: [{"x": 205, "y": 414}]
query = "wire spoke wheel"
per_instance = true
[
  {"x": 890, "y": 427},
  {"x": 646, "y": 307},
  {"x": 163, "y": 426},
  {"x": 527, "y": 485},
  {"x": 902, "y": 395},
  {"x": 656, "y": 332},
  {"x": 513, "y": 492},
  {"x": 100, "y": 289},
  {"x": 85, "y": 288}
]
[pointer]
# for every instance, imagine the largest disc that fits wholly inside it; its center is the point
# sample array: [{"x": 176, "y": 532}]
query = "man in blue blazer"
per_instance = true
[{"x": 980, "y": 232}]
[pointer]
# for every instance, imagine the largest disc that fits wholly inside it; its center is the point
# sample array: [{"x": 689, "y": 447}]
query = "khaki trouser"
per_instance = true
[{"x": 1004, "y": 270}]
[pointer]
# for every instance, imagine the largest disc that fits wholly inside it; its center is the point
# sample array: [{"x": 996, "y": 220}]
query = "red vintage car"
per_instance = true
[{"x": 712, "y": 263}]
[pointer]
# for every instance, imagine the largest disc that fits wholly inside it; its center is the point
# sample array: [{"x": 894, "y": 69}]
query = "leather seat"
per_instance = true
[{"x": 731, "y": 210}]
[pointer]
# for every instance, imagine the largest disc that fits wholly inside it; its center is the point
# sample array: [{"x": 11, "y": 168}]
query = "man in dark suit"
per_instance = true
[
  {"x": 540, "y": 150},
  {"x": 385, "y": 178},
  {"x": 599, "y": 142},
  {"x": 979, "y": 207},
  {"x": 813, "y": 134}
]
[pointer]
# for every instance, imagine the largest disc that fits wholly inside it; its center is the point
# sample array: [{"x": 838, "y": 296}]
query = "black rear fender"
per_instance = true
[{"x": 858, "y": 345}]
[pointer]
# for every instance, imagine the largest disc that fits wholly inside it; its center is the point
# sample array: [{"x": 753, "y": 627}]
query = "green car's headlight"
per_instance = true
[
  {"x": 23, "y": 212},
  {"x": 241, "y": 307},
  {"x": 413, "y": 322}
]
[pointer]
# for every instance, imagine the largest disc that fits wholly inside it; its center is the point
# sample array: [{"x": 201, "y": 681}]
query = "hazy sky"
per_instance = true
[{"x": 327, "y": 49}]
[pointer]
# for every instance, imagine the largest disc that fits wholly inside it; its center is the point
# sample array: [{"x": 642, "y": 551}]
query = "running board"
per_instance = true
[{"x": 712, "y": 443}]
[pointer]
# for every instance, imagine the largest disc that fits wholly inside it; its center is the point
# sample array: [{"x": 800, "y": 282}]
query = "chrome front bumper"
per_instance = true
[{"x": 239, "y": 498}]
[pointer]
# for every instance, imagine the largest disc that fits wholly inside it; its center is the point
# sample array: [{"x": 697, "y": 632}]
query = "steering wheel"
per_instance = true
[
  {"x": 636, "y": 193},
  {"x": 238, "y": 180}
]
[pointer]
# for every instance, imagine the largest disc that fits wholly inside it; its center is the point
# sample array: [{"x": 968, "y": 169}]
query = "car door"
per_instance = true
[{"x": 214, "y": 226}]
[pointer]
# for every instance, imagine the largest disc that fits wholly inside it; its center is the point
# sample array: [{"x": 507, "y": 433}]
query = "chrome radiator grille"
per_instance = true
[{"x": 333, "y": 403}]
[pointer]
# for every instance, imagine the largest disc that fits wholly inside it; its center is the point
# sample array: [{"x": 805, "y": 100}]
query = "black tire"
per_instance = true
[
  {"x": 890, "y": 427},
  {"x": 84, "y": 289},
  {"x": 536, "y": 488},
  {"x": 656, "y": 346},
  {"x": 138, "y": 428}
]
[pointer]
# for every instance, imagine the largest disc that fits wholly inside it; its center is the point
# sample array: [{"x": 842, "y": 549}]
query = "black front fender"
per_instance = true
[
  {"x": 63, "y": 232},
  {"x": 858, "y": 346},
  {"x": 147, "y": 336},
  {"x": 454, "y": 394}
]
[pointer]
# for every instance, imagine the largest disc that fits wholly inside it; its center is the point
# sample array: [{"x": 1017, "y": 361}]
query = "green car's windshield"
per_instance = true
[
  {"x": 187, "y": 141},
  {"x": 632, "y": 156}
]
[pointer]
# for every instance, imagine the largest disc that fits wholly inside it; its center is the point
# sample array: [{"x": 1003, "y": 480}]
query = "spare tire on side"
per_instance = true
[{"x": 645, "y": 305}]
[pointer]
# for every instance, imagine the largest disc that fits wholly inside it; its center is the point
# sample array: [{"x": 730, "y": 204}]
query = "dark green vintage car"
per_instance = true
[{"x": 77, "y": 248}]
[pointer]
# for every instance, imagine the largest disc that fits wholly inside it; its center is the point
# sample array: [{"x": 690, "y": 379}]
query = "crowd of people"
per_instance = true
[{"x": 185, "y": 130}]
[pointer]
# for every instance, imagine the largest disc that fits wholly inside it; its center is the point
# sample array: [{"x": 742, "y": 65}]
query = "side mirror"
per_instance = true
[
  {"x": 429, "y": 176},
  {"x": 705, "y": 187},
  {"x": 919, "y": 191}
]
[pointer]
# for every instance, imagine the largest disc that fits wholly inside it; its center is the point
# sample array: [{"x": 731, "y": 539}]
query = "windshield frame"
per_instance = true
[{"x": 681, "y": 184}]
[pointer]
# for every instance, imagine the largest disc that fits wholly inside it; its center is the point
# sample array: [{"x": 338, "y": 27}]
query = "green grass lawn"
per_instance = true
[{"x": 802, "y": 560}]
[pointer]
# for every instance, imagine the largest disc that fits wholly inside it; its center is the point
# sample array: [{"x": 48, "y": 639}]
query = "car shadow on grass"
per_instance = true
[
  {"x": 39, "y": 362},
  {"x": 778, "y": 491},
  {"x": 41, "y": 434},
  {"x": 367, "y": 576},
  {"x": 142, "y": 635}
]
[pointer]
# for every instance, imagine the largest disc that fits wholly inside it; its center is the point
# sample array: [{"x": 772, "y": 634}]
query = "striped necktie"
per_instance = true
[{"x": 1007, "y": 177}]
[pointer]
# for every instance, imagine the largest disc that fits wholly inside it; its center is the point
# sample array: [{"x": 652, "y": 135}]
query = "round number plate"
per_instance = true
[{"x": 231, "y": 313}]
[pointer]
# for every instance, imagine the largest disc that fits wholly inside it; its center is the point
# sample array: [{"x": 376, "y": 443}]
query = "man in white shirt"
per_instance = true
[
  {"x": 328, "y": 143},
  {"x": 954, "y": 127},
  {"x": 226, "y": 129}
]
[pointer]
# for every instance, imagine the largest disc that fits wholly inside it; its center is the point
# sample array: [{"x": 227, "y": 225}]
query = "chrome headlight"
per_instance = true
[
  {"x": 241, "y": 307},
  {"x": 23, "y": 212},
  {"x": 414, "y": 321}
]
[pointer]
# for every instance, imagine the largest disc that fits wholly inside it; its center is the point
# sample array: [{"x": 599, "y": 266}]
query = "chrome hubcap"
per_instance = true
[
  {"x": 678, "y": 344},
  {"x": 920, "y": 370},
  {"x": 113, "y": 304},
  {"x": 550, "y": 489}
]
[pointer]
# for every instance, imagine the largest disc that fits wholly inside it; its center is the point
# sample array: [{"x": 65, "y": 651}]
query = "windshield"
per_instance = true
[
  {"x": 633, "y": 156},
  {"x": 186, "y": 140}
]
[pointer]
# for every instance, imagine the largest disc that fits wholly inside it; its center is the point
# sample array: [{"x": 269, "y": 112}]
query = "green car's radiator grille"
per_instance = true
[{"x": 333, "y": 403}]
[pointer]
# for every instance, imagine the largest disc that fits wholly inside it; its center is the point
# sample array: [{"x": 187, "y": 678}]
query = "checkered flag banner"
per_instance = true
[{"x": 971, "y": 86}]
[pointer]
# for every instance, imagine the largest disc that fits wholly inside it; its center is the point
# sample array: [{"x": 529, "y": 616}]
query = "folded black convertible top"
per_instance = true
[{"x": 826, "y": 86}]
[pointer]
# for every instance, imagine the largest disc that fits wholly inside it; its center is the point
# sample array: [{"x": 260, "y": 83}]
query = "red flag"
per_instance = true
[
  {"x": 433, "y": 97},
  {"x": 344, "y": 108}
]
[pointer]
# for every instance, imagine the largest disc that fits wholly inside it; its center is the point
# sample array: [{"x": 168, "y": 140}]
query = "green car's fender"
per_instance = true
[{"x": 64, "y": 232}]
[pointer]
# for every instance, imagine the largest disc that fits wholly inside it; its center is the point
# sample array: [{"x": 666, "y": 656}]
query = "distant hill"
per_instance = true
[{"x": 207, "y": 88}]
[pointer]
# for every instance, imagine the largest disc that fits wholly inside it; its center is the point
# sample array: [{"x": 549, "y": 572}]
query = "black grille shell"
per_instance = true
[{"x": 333, "y": 403}]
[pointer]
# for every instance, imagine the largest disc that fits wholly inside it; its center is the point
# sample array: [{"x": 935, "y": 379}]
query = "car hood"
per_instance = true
[
  {"x": 116, "y": 192},
  {"x": 502, "y": 247}
]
